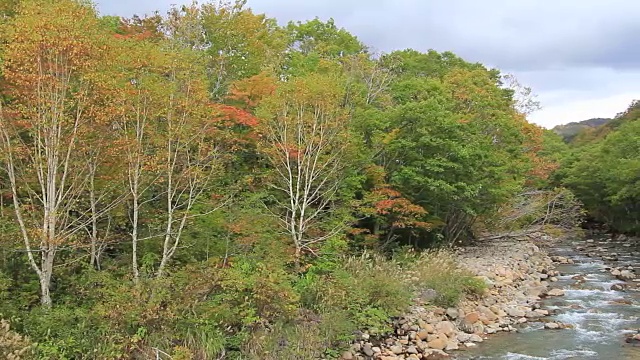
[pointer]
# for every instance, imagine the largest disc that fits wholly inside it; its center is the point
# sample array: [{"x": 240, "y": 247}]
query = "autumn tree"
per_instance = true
[
  {"x": 52, "y": 73},
  {"x": 305, "y": 140}
]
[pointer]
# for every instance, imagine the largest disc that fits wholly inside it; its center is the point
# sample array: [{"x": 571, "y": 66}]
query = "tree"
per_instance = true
[
  {"x": 305, "y": 141},
  {"x": 239, "y": 44},
  {"x": 52, "y": 74}
]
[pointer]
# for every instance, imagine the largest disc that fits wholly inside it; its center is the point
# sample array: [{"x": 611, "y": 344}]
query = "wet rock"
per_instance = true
[
  {"x": 626, "y": 275},
  {"x": 552, "y": 326},
  {"x": 555, "y": 292},
  {"x": 452, "y": 345},
  {"x": 620, "y": 302},
  {"x": 617, "y": 287},
  {"x": 633, "y": 339}
]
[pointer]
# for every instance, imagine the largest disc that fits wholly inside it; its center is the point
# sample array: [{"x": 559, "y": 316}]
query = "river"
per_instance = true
[{"x": 599, "y": 316}]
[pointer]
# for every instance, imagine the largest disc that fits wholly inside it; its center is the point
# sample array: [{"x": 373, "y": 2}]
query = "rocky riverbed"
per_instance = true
[{"x": 518, "y": 274}]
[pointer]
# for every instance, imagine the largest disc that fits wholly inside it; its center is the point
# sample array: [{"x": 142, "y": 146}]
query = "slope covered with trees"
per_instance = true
[
  {"x": 601, "y": 166},
  {"x": 206, "y": 182},
  {"x": 570, "y": 130}
]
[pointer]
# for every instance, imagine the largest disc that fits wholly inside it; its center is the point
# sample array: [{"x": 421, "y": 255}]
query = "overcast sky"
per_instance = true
[{"x": 582, "y": 57}]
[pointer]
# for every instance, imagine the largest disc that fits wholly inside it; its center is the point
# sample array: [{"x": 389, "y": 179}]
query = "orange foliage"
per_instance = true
[
  {"x": 250, "y": 92},
  {"x": 237, "y": 126},
  {"x": 147, "y": 28},
  {"x": 401, "y": 212}
]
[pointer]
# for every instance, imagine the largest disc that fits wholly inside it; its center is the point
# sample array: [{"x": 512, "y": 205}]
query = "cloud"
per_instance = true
[{"x": 579, "y": 55}]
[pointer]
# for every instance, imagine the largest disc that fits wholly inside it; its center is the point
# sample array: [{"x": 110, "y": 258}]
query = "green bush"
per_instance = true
[{"x": 439, "y": 271}]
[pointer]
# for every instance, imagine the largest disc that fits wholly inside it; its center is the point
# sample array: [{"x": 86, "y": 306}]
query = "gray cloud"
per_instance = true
[{"x": 569, "y": 51}]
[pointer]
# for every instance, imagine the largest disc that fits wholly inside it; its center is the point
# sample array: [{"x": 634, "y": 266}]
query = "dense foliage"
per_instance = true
[
  {"x": 207, "y": 183},
  {"x": 601, "y": 166}
]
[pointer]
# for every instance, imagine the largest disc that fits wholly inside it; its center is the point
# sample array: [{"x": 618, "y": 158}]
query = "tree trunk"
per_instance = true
[{"x": 45, "y": 277}]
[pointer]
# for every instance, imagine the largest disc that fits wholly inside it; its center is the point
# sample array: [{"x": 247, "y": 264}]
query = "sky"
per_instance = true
[{"x": 581, "y": 57}]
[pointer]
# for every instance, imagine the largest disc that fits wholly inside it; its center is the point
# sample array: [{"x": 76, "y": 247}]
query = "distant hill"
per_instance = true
[{"x": 570, "y": 130}]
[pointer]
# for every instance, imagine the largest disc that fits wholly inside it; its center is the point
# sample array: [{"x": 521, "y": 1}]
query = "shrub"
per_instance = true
[
  {"x": 13, "y": 346},
  {"x": 439, "y": 271}
]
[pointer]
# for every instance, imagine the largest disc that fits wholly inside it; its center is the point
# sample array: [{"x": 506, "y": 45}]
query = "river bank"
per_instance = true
[
  {"x": 546, "y": 299},
  {"x": 519, "y": 273}
]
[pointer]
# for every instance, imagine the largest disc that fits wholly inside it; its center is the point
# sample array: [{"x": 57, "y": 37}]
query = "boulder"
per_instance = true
[
  {"x": 472, "y": 317},
  {"x": 446, "y": 327},
  {"x": 515, "y": 312},
  {"x": 440, "y": 343},
  {"x": 490, "y": 315}
]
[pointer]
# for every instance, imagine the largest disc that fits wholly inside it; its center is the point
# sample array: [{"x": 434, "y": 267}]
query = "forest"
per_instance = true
[{"x": 210, "y": 184}]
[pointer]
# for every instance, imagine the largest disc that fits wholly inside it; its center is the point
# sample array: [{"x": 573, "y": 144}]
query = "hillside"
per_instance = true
[{"x": 570, "y": 130}]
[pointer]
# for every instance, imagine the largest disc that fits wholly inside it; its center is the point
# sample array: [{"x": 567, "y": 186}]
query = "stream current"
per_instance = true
[{"x": 599, "y": 317}]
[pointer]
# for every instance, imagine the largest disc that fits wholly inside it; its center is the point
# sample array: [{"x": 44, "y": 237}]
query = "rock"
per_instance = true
[
  {"x": 617, "y": 287},
  {"x": 633, "y": 339},
  {"x": 396, "y": 349},
  {"x": 535, "y": 291},
  {"x": 466, "y": 327},
  {"x": 367, "y": 350},
  {"x": 430, "y": 328},
  {"x": 515, "y": 312},
  {"x": 452, "y": 313},
  {"x": 620, "y": 302},
  {"x": 439, "y": 343},
  {"x": 552, "y": 326},
  {"x": 422, "y": 334},
  {"x": 626, "y": 275},
  {"x": 555, "y": 292},
  {"x": 435, "y": 354},
  {"x": 472, "y": 317},
  {"x": 470, "y": 344},
  {"x": 476, "y": 338},
  {"x": 452, "y": 345},
  {"x": 347, "y": 355},
  {"x": 411, "y": 350},
  {"x": 615, "y": 272},
  {"x": 490, "y": 315},
  {"x": 446, "y": 327}
]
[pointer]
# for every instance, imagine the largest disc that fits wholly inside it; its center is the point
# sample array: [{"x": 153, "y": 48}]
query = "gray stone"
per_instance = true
[{"x": 396, "y": 349}]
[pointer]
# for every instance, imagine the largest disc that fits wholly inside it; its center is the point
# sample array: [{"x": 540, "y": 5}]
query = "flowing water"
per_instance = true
[{"x": 600, "y": 317}]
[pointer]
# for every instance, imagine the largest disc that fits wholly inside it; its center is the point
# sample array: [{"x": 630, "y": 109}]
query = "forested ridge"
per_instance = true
[{"x": 208, "y": 184}]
